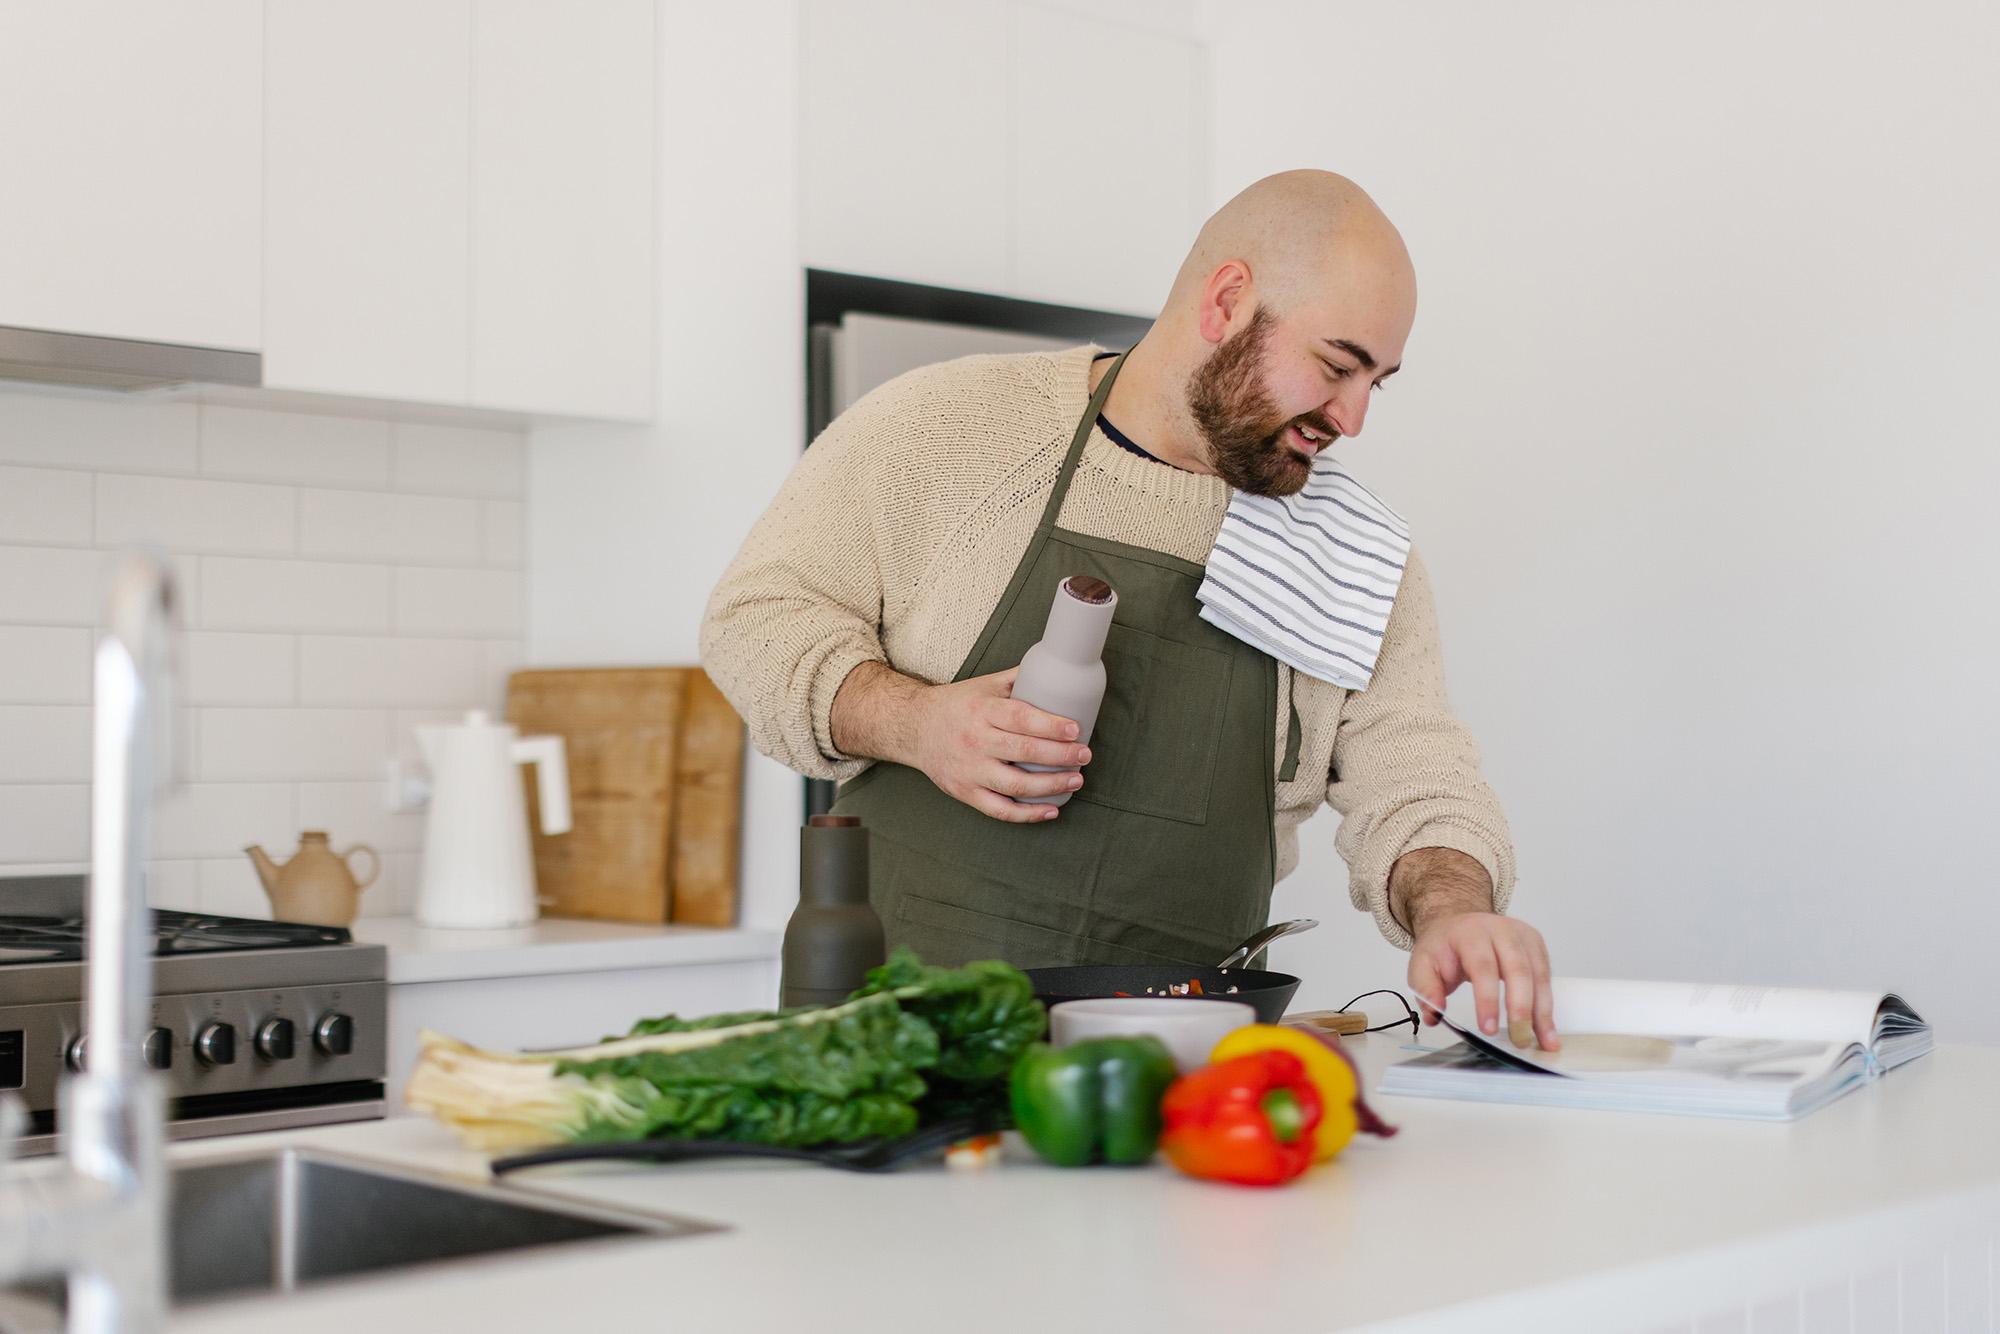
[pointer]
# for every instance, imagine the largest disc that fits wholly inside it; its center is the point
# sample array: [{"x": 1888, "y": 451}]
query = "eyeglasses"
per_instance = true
[{"x": 1410, "y": 1014}]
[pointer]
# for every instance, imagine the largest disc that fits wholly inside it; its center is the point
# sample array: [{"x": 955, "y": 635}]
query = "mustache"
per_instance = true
[{"x": 1317, "y": 424}]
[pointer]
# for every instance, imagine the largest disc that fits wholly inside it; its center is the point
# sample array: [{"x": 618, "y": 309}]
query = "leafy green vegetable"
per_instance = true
[
  {"x": 985, "y": 1013},
  {"x": 851, "y": 1074},
  {"x": 912, "y": 1044}
]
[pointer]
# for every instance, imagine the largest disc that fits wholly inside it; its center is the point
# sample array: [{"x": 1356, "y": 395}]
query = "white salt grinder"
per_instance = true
[{"x": 1063, "y": 674}]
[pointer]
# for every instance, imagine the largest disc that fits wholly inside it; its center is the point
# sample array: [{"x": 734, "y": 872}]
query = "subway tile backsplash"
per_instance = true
[{"x": 343, "y": 579}]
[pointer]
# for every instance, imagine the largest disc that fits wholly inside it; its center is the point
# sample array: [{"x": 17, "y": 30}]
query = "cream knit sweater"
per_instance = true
[{"x": 895, "y": 536}]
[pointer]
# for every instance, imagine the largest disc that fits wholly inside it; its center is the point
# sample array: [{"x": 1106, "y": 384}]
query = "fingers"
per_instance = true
[
  {"x": 1434, "y": 974},
  {"x": 1524, "y": 969},
  {"x": 1019, "y": 716},
  {"x": 1497, "y": 957},
  {"x": 1424, "y": 981},
  {"x": 988, "y": 802},
  {"x": 1018, "y": 749},
  {"x": 1012, "y": 782},
  {"x": 1484, "y": 972},
  {"x": 979, "y": 734},
  {"x": 1545, "y": 1000},
  {"x": 1517, "y": 975}
]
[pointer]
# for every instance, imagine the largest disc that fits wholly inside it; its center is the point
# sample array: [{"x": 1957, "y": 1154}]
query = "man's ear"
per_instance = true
[{"x": 1225, "y": 300}]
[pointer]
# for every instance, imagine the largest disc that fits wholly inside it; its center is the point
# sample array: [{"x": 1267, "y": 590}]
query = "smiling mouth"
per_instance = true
[{"x": 1305, "y": 445}]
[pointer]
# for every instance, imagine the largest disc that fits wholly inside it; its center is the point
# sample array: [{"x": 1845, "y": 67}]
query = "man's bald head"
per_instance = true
[
  {"x": 1301, "y": 235},
  {"x": 1291, "y": 308}
]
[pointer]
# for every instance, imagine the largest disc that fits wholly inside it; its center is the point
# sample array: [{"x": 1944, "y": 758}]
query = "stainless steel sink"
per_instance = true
[{"x": 277, "y": 1222}]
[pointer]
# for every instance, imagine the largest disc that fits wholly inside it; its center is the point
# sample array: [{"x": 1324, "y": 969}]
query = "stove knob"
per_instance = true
[
  {"x": 334, "y": 1035},
  {"x": 215, "y": 1044},
  {"x": 157, "y": 1048},
  {"x": 74, "y": 1053},
  {"x": 274, "y": 1039}
]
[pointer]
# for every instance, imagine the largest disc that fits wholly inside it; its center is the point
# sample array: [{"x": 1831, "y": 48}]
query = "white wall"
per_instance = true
[
  {"x": 342, "y": 579},
  {"x": 1696, "y": 432},
  {"x": 631, "y": 527},
  {"x": 1052, "y": 151}
]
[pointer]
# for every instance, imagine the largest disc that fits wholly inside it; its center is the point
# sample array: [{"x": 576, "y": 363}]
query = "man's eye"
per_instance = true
[
  {"x": 1337, "y": 372},
  {"x": 1378, "y": 386}
]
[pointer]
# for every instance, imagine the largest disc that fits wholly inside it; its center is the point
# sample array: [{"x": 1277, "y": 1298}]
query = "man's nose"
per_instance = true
[{"x": 1348, "y": 410}]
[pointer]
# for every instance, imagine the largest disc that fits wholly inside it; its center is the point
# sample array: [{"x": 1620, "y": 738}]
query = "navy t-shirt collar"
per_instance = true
[{"x": 1116, "y": 436}]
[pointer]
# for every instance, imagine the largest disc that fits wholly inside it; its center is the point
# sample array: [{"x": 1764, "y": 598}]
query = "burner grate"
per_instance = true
[{"x": 28, "y": 938}]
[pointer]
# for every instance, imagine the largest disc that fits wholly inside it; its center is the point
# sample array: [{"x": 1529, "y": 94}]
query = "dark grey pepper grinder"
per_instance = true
[{"x": 834, "y": 936}]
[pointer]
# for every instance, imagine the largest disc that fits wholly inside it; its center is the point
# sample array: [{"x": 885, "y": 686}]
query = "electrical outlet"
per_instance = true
[{"x": 408, "y": 789}]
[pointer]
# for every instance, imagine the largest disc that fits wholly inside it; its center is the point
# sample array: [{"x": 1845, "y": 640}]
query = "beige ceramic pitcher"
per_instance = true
[{"x": 317, "y": 885}]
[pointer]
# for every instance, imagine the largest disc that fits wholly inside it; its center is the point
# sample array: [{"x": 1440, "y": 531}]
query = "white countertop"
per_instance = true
[
  {"x": 1474, "y": 1217},
  {"x": 420, "y": 953}
]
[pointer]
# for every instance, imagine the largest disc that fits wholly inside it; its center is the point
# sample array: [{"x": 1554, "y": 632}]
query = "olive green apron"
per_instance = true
[{"x": 1167, "y": 853}]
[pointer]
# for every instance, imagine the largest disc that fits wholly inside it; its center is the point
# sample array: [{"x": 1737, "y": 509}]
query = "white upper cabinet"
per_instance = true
[
  {"x": 563, "y": 230},
  {"x": 1026, "y": 149},
  {"x": 368, "y": 202},
  {"x": 460, "y": 203},
  {"x": 130, "y": 164}
]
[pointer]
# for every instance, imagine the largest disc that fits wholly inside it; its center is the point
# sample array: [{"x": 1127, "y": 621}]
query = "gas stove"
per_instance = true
[{"x": 255, "y": 1025}]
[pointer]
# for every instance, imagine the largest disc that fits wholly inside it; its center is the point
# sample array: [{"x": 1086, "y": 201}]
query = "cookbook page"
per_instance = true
[
  {"x": 1694, "y": 1060},
  {"x": 1724, "y": 1076},
  {"x": 1588, "y": 1004},
  {"x": 1609, "y": 1025}
]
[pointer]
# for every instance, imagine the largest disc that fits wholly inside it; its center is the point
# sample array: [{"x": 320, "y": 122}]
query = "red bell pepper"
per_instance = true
[{"x": 1249, "y": 1120}]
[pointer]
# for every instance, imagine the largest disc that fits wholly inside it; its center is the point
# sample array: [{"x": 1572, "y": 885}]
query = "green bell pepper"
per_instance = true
[{"x": 1094, "y": 1101}]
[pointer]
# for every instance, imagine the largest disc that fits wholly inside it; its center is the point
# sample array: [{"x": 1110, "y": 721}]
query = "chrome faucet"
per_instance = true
[{"x": 100, "y": 1222}]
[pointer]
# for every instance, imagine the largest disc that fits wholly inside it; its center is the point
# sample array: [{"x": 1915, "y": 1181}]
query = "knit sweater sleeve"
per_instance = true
[
  {"x": 1406, "y": 772},
  {"x": 800, "y": 606}
]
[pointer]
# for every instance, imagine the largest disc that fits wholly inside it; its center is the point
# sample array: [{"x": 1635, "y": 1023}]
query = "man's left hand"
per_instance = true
[
  {"x": 1491, "y": 952},
  {"x": 1447, "y": 899}
]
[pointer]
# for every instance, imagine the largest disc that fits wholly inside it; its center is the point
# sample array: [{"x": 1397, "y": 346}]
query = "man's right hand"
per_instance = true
[{"x": 964, "y": 736}]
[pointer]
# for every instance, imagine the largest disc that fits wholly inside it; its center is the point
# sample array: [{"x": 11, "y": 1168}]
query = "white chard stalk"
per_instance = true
[{"x": 502, "y": 1100}]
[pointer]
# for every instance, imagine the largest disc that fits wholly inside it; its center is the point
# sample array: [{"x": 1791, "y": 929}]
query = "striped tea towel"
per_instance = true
[{"x": 1309, "y": 578}]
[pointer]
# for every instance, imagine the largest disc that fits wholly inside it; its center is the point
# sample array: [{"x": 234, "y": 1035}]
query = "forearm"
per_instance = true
[
  {"x": 876, "y": 712},
  {"x": 1428, "y": 883}
]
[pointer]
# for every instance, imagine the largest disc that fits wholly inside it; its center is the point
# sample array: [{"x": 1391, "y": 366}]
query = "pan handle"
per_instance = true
[{"x": 1248, "y": 949}]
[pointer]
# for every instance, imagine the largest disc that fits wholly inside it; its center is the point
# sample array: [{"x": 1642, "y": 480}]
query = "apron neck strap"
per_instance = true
[{"x": 1076, "y": 443}]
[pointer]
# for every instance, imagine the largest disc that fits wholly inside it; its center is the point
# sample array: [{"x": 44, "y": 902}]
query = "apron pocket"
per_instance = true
[
  {"x": 947, "y": 933},
  {"x": 1153, "y": 750},
  {"x": 965, "y": 934}
]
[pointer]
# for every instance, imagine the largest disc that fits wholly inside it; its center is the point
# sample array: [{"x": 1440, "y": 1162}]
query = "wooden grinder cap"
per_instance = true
[{"x": 1086, "y": 589}]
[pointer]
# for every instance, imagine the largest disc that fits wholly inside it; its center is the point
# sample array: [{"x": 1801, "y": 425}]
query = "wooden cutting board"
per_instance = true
[
  {"x": 656, "y": 803},
  {"x": 708, "y": 806}
]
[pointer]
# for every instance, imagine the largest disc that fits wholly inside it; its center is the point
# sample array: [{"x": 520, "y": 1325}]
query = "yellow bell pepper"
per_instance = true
[{"x": 1331, "y": 1072}]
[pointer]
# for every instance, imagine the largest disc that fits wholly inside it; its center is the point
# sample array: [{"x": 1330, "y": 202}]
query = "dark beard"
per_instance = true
[{"x": 1227, "y": 399}]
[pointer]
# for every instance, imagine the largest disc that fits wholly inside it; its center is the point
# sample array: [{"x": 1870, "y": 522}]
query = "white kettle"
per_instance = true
[{"x": 479, "y": 870}]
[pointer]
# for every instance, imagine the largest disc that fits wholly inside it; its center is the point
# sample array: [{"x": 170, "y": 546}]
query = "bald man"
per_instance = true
[{"x": 870, "y": 627}]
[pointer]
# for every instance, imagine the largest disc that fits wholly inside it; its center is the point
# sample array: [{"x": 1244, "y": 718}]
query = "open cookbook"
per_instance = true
[{"x": 1698, "y": 1049}]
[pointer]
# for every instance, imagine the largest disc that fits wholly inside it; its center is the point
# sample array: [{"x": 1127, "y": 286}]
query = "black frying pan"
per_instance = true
[{"x": 1270, "y": 993}]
